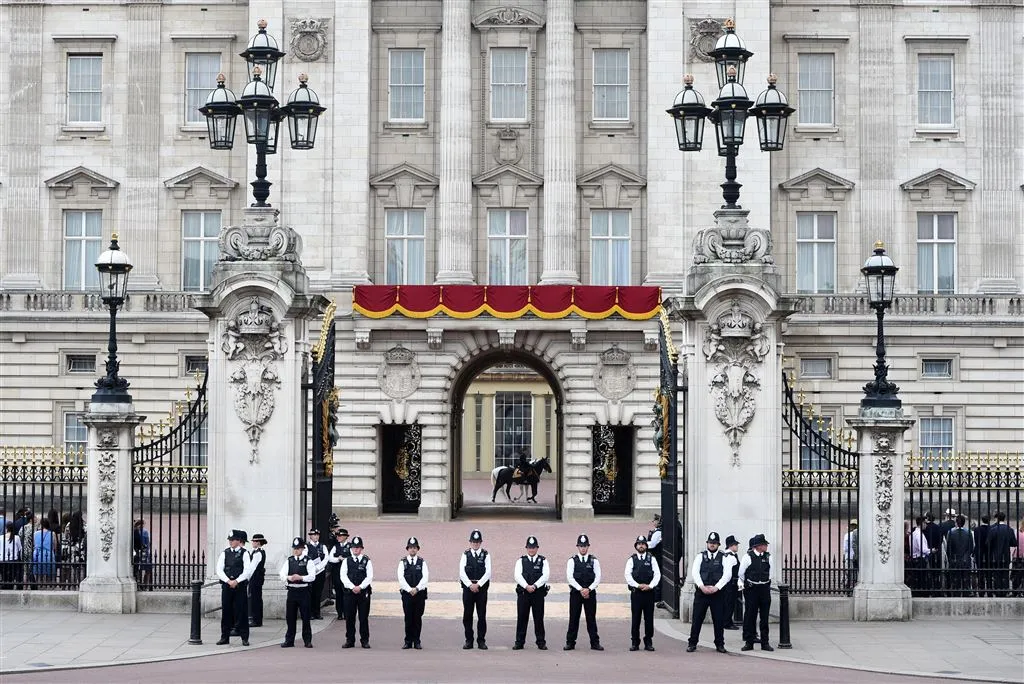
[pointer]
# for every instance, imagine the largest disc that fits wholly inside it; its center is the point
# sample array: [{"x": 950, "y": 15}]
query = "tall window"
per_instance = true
[
  {"x": 936, "y": 253},
  {"x": 405, "y": 247},
  {"x": 405, "y": 85},
  {"x": 201, "y": 69},
  {"x": 936, "y": 442},
  {"x": 196, "y": 448},
  {"x": 611, "y": 85},
  {"x": 200, "y": 231},
  {"x": 609, "y": 248},
  {"x": 935, "y": 90},
  {"x": 82, "y": 243},
  {"x": 508, "y": 84},
  {"x": 816, "y": 253},
  {"x": 513, "y": 427},
  {"x": 85, "y": 89},
  {"x": 814, "y": 450},
  {"x": 76, "y": 434},
  {"x": 817, "y": 89},
  {"x": 506, "y": 247}
]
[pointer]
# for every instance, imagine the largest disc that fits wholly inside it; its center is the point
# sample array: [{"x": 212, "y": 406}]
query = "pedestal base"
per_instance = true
[
  {"x": 110, "y": 595},
  {"x": 882, "y": 603}
]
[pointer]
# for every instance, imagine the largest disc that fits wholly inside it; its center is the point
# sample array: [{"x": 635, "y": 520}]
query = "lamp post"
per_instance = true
[
  {"x": 114, "y": 266},
  {"x": 730, "y": 110},
  {"x": 261, "y": 111},
  {"x": 880, "y": 277}
]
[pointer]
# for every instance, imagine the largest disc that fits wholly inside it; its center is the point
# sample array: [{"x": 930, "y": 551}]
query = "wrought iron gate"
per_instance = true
[
  {"x": 613, "y": 447},
  {"x": 325, "y": 417},
  {"x": 401, "y": 457},
  {"x": 666, "y": 413}
]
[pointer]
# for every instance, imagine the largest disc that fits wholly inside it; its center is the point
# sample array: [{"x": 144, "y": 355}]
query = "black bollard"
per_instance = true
[
  {"x": 196, "y": 637},
  {"x": 784, "y": 641}
]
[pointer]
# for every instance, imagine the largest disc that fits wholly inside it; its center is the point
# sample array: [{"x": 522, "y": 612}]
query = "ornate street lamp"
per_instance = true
[
  {"x": 689, "y": 111},
  {"x": 114, "y": 266},
  {"x": 880, "y": 277}
]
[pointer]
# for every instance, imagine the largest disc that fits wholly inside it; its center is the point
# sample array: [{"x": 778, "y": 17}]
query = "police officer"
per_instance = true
[
  {"x": 234, "y": 568},
  {"x": 318, "y": 553},
  {"x": 642, "y": 576},
  {"x": 298, "y": 574},
  {"x": 356, "y": 580},
  {"x": 258, "y": 560},
  {"x": 531, "y": 575},
  {"x": 733, "y": 600},
  {"x": 412, "y": 582},
  {"x": 339, "y": 552},
  {"x": 475, "y": 574},
  {"x": 710, "y": 572},
  {"x": 755, "y": 573},
  {"x": 583, "y": 573}
]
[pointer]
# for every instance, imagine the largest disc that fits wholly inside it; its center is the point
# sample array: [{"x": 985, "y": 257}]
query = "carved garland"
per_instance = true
[
  {"x": 261, "y": 238},
  {"x": 107, "y": 470},
  {"x": 883, "y": 493}
]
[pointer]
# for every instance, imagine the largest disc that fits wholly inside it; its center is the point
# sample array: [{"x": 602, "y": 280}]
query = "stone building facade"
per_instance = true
[{"x": 519, "y": 142}]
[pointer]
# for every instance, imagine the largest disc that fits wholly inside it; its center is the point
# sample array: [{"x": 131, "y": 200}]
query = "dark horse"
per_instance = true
[{"x": 529, "y": 474}]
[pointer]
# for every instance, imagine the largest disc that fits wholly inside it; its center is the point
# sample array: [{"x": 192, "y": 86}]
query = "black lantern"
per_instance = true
[
  {"x": 730, "y": 116},
  {"x": 273, "y": 132},
  {"x": 730, "y": 52},
  {"x": 263, "y": 53},
  {"x": 772, "y": 111},
  {"x": 258, "y": 104},
  {"x": 220, "y": 111},
  {"x": 114, "y": 267},
  {"x": 880, "y": 277},
  {"x": 303, "y": 110},
  {"x": 689, "y": 112}
]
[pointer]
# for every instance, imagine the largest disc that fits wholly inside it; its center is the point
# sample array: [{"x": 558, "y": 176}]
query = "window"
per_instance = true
[
  {"x": 195, "y": 449},
  {"x": 405, "y": 85},
  {"x": 814, "y": 446},
  {"x": 81, "y": 249},
  {"x": 816, "y": 253},
  {"x": 611, "y": 85},
  {"x": 195, "y": 365},
  {"x": 816, "y": 93},
  {"x": 76, "y": 433},
  {"x": 506, "y": 247},
  {"x": 936, "y": 253},
  {"x": 80, "y": 363},
  {"x": 513, "y": 427},
  {"x": 609, "y": 248},
  {"x": 85, "y": 89},
  {"x": 936, "y": 368},
  {"x": 200, "y": 231},
  {"x": 935, "y": 90},
  {"x": 816, "y": 368},
  {"x": 201, "y": 69},
  {"x": 508, "y": 84},
  {"x": 405, "y": 247},
  {"x": 936, "y": 442}
]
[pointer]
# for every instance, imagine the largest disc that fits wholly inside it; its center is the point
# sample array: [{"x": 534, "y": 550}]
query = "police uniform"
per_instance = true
[
  {"x": 258, "y": 560},
  {"x": 733, "y": 599},
  {"x": 234, "y": 564},
  {"x": 642, "y": 571},
  {"x": 710, "y": 569},
  {"x": 475, "y": 568},
  {"x": 318, "y": 554},
  {"x": 583, "y": 572},
  {"x": 339, "y": 552},
  {"x": 357, "y": 571},
  {"x": 413, "y": 577},
  {"x": 755, "y": 573},
  {"x": 298, "y": 574},
  {"x": 531, "y": 570}
]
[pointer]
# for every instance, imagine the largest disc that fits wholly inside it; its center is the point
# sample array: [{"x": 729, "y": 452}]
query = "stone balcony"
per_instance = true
[
  {"x": 64, "y": 301},
  {"x": 916, "y": 305}
]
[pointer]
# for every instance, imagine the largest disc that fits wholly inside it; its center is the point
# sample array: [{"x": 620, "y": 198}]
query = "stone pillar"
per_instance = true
[
  {"x": 880, "y": 594},
  {"x": 456, "y": 235},
  {"x": 109, "y": 586},
  {"x": 560, "y": 224}
]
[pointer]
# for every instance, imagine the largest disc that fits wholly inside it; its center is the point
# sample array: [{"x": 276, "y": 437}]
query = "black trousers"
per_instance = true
[
  {"x": 256, "y": 601},
  {"x": 758, "y": 600},
  {"x": 589, "y": 608},
  {"x": 731, "y": 601},
  {"x": 641, "y": 604},
  {"x": 527, "y": 603},
  {"x": 702, "y": 603},
  {"x": 318, "y": 594},
  {"x": 297, "y": 604},
  {"x": 339, "y": 590},
  {"x": 234, "y": 610},
  {"x": 413, "y": 607},
  {"x": 357, "y": 605},
  {"x": 477, "y": 601}
]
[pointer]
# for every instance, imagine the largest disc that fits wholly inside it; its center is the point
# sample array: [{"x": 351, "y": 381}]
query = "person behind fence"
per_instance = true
[
  {"x": 318, "y": 552},
  {"x": 413, "y": 577},
  {"x": 1001, "y": 540},
  {"x": 755, "y": 576},
  {"x": 44, "y": 560},
  {"x": 356, "y": 580},
  {"x": 851, "y": 545},
  {"x": 258, "y": 560},
  {"x": 74, "y": 548},
  {"x": 531, "y": 574},
  {"x": 475, "y": 576},
  {"x": 298, "y": 574},
  {"x": 142, "y": 554},
  {"x": 733, "y": 598},
  {"x": 710, "y": 572},
  {"x": 10, "y": 559},
  {"x": 233, "y": 569},
  {"x": 933, "y": 535},
  {"x": 26, "y": 532},
  {"x": 642, "y": 576},
  {"x": 583, "y": 573},
  {"x": 981, "y": 558},
  {"x": 919, "y": 553},
  {"x": 1017, "y": 576},
  {"x": 959, "y": 547},
  {"x": 339, "y": 552}
]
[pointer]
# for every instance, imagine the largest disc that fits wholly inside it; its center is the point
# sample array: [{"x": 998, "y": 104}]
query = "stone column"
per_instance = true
[
  {"x": 455, "y": 231},
  {"x": 560, "y": 223},
  {"x": 109, "y": 586},
  {"x": 880, "y": 594}
]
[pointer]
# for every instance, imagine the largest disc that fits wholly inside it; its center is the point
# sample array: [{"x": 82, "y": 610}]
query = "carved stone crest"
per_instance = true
[
  {"x": 883, "y": 442},
  {"x": 883, "y": 506},
  {"x": 107, "y": 438},
  {"x": 704, "y": 34},
  {"x": 107, "y": 470},
  {"x": 399, "y": 374},
  {"x": 259, "y": 238},
  {"x": 508, "y": 16},
  {"x": 309, "y": 38},
  {"x": 508, "y": 150},
  {"x": 732, "y": 241},
  {"x": 615, "y": 375}
]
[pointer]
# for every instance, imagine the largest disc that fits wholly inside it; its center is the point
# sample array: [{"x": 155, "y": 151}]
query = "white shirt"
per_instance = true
[
  {"x": 320, "y": 564},
  {"x": 247, "y": 566},
  {"x": 310, "y": 569},
  {"x": 466, "y": 582},
  {"x": 545, "y": 573},
  {"x": 630, "y": 582},
  {"x": 11, "y": 549},
  {"x": 349, "y": 584},
  {"x": 402, "y": 584},
  {"x": 258, "y": 558},
  {"x": 918, "y": 544},
  {"x": 850, "y": 545},
  {"x": 570, "y": 566},
  {"x": 728, "y": 560},
  {"x": 335, "y": 555},
  {"x": 744, "y": 564},
  {"x": 654, "y": 540}
]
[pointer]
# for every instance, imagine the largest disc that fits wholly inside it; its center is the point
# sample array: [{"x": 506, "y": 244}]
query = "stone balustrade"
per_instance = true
[
  {"x": 87, "y": 302},
  {"x": 913, "y": 305}
]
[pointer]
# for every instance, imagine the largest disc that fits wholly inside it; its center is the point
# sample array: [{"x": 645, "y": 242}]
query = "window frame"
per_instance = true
[
  {"x": 611, "y": 240},
  {"x": 70, "y": 57},
  {"x": 87, "y": 267},
  {"x": 595, "y": 85},
  {"x": 405, "y": 238},
  {"x": 831, "y": 123},
  {"x": 816, "y": 242},
  {"x": 422, "y": 85},
  {"x": 949, "y": 57},
  {"x": 516, "y": 398},
  {"x": 927, "y": 453},
  {"x": 71, "y": 357},
  {"x": 947, "y": 375},
  {"x": 934, "y": 242},
  {"x": 203, "y": 240},
  {"x": 200, "y": 120},
  {"x": 84, "y": 443},
  {"x": 507, "y": 237},
  {"x": 525, "y": 84},
  {"x": 830, "y": 373}
]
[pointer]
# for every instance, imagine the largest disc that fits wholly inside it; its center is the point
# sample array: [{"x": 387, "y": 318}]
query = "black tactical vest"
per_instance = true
[
  {"x": 297, "y": 566},
  {"x": 413, "y": 573},
  {"x": 315, "y": 551},
  {"x": 476, "y": 567},
  {"x": 533, "y": 568},
  {"x": 643, "y": 570},
  {"x": 261, "y": 569},
  {"x": 356, "y": 569},
  {"x": 760, "y": 567},
  {"x": 583, "y": 573},
  {"x": 711, "y": 568},
  {"x": 234, "y": 562},
  {"x": 735, "y": 566}
]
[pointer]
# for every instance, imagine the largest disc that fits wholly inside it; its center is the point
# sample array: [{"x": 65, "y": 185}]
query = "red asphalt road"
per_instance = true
[{"x": 443, "y": 660}]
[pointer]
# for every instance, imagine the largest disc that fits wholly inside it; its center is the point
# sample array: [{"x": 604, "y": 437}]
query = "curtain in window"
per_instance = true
[
  {"x": 201, "y": 71},
  {"x": 85, "y": 96},
  {"x": 81, "y": 249},
  {"x": 935, "y": 91},
  {"x": 406, "y": 84},
  {"x": 508, "y": 83},
  {"x": 611, "y": 84},
  {"x": 815, "y": 89}
]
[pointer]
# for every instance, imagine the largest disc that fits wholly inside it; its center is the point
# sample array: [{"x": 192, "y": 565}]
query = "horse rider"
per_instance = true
[{"x": 531, "y": 575}]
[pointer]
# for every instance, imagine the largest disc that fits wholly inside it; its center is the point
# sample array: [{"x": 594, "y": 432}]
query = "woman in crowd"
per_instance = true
[
  {"x": 10, "y": 559},
  {"x": 74, "y": 549},
  {"x": 44, "y": 562},
  {"x": 143, "y": 552}
]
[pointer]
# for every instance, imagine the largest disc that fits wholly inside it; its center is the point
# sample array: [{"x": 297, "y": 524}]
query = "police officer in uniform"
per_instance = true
[
  {"x": 356, "y": 580},
  {"x": 234, "y": 568},
  {"x": 733, "y": 600},
  {"x": 258, "y": 560},
  {"x": 710, "y": 572},
  {"x": 583, "y": 573},
  {"x": 298, "y": 574},
  {"x": 318, "y": 553},
  {"x": 531, "y": 575},
  {"x": 412, "y": 582},
  {"x": 339, "y": 552},
  {"x": 756, "y": 575},
  {"x": 642, "y": 576},
  {"x": 475, "y": 574}
]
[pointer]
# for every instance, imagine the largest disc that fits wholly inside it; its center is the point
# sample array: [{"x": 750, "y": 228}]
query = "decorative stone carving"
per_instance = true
[
  {"x": 578, "y": 339},
  {"x": 704, "y": 34},
  {"x": 435, "y": 337},
  {"x": 362, "y": 339},
  {"x": 508, "y": 16},
  {"x": 883, "y": 504},
  {"x": 259, "y": 238},
  {"x": 615, "y": 375},
  {"x": 309, "y": 38},
  {"x": 506, "y": 338},
  {"x": 606, "y": 465},
  {"x": 254, "y": 341},
  {"x": 508, "y": 150},
  {"x": 107, "y": 470},
  {"x": 107, "y": 438},
  {"x": 399, "y": 374},
  {"x": 732, "y": 241},
  {"x": 650, "y": 340},
  {"x": 883, "y": 442}
]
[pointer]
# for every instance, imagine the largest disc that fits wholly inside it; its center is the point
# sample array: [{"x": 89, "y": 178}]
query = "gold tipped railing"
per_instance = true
[
  {"x": 942, "y": 459},
  {"x": 41, "y": 455}
]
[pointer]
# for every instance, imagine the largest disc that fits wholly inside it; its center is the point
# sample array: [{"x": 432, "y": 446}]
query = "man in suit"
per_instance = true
[
  {"x": 933, "y": 535},
  {"x": 959, "y": 546},
  {"x": 1001, "y": 538},
  {"x": 981, "y": 556}
]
